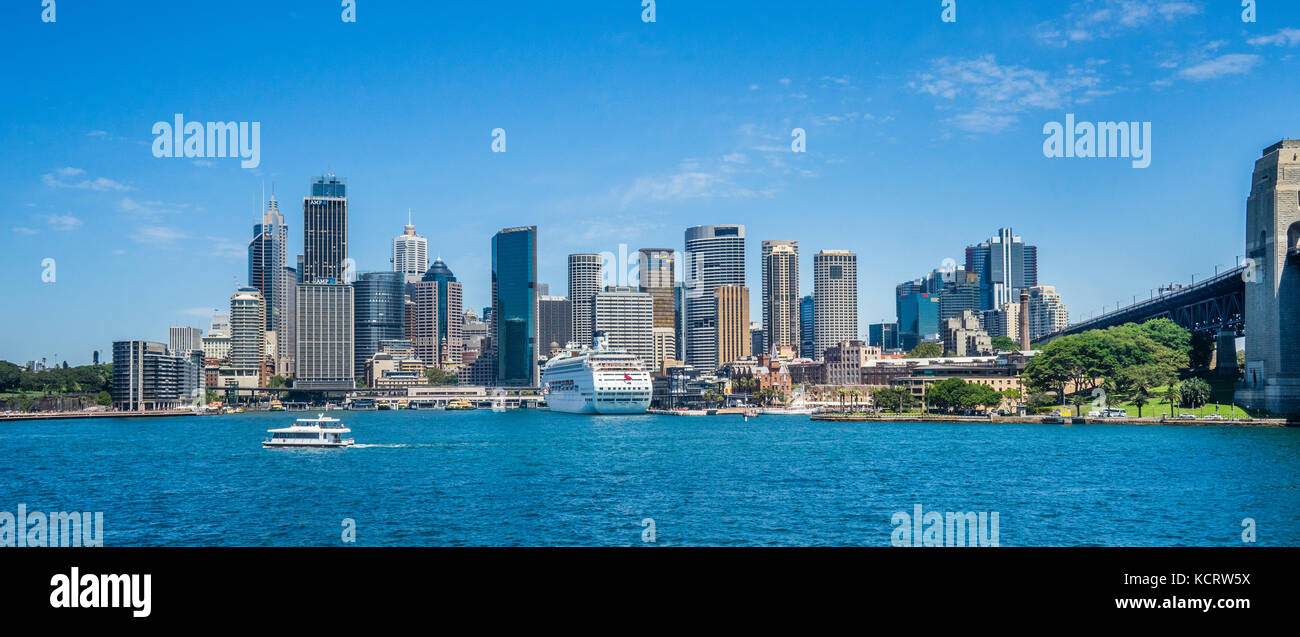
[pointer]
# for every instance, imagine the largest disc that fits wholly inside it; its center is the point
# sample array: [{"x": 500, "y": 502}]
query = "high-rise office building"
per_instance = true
[
  {"x": 918, "y": 313},
  {"x": 323, "y": 353},
  {"x": 1004, "y": 321},
  {"x": 734, "y": 339},
  {"x": 964, "y": 336},
  {"x": 835, "y": 288},
  {"x": 422, "y": 317},
  {"x": 554, "y": 323},
  {"x": 216, "y": 344},
  {"x": 715, "y": 256},
  {"x": 883, "y": 335},
  {"x": 665, "y": 351},
  {"x": 781, "y": 320},
  {"x": 410, "y": 253},
  {"x": 626, "y": 318},
  {"x": 1005, "y": 265},
  {"x": 325, "y": 230},
  {"x": 584, "y": 283},
  {"x": 514, "y": 306},
  {"x": 807, "y": 319},
  {"x": 960, "y": 294},
  {"x": 756, "y": 339},
  {"x": 447, "y": 309},
  {"x": 248, "y": 336},
  {"x": 1047, "y": 313},
  {"x": 267, "y": 254},
  {"x": 285, "y": 340},
  {"x": 379, "y": 307},
  {"x": 181, "y": 340},
  {"x": 656, "y": 276}
]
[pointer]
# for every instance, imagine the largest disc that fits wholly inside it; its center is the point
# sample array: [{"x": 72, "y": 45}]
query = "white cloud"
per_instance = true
[
  {"x": 97, "y": 133},
  {"x": 197, "y": 311},
  {"x": 25, "y": 230},
  {"x": 1102, "y": 19},
  {"x": 68, "y": 178},
  {"x": 64, "y": 223},
  {"x": 152, "y": 208},
  {"x": 227, "y": 249},
  {"x": 1285, "y": 37},
  {"x": 991, "y": 96},
  {"x": 1222, "y": 66},
  {"x": 159, "y": 235}
]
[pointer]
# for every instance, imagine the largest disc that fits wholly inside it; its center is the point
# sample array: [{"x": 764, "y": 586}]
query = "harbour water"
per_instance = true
[{"x": 426, "y": 478}]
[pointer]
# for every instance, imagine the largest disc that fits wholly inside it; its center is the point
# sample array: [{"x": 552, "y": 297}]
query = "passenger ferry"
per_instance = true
[
  {"x": 318, "y": 432},
  {"x": 596, "y": 380}
]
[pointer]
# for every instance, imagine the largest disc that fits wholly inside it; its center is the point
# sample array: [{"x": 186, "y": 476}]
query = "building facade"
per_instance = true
[
  {"x": 267, "y": 258},
  {"x": 324, "y": 347},
  {"x": 325, "y": 230},
  {"x": 378, "y": 314},
  {"x": 146, "y": 377},
  {"x": 1005, "y": 265},
  {"x": 733, "y": 338},
  {"x": 514, "y": 306},
  {"x": 584, "y": 283},
  {"x": 781, "y": 306},
  {"x": 1047, "y": 313},
  {"x": 248, "y": 355},
  {"x": 835, "y": 290},
  {"x": 626, "y": 317},
  {"x": 410, "y": 253},
  {"x": 554, "y": 323},
  {"x": 715, "y": 256}
]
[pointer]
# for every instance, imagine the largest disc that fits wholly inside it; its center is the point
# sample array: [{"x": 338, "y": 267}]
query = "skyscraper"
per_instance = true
[
  {"x": 835, "y": 288},
  {"x": 655, "y": 270},
  {"x": 267, "y": 254},
  {"x": 626, "y": 318},
  {"x": 918, "y": 312},
  {"x": 248, "y": 336},
  {"x": 806, "y": 323},
  {"x": 325, "y": 230},
  {"x": 781, "y": 321},
  {"x": 181, "y": 340},
  {"x": 883, "y": 335},
  {"x": 440, "y": 316},
  {"x": 715, "y": 256},
  {"x": 554, "y": 323},
  {"x": 584, "y": 283},
  {"x": 514, "y": 305},
  {"x": 323, "y": 355},
  {"x": 146, "y": 377},
  {"x": 733, "y": 322},
  {"x": 410, "y": 253},
  {"x": 378, "y": 311},
  {"x": 1047, "y": 312},
  {"x": 1005, "y": 265}
]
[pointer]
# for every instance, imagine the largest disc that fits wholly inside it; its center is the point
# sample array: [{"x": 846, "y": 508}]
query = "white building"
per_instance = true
[
  {"x": 626, "y": 317},
  {"x": 1047, "y": 312},
  {"x": 584, "y": 284},
  {"x": 410, "y": 253}
]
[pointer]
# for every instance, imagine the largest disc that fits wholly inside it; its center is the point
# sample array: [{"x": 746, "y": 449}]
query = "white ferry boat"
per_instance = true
[
  {"x": 318, "y": 432},
  {"x": 596, "y": 381}
]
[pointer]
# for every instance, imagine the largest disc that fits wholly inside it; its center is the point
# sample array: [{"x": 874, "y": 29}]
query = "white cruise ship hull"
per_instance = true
[{"x": 619, "y": 386}]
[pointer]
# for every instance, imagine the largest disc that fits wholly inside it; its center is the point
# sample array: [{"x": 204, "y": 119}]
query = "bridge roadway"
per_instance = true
[{"x": 1209, "y": 307}]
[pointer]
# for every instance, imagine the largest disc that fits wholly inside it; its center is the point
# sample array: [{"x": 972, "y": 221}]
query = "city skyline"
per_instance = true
[{"x": 89, "y": 195}]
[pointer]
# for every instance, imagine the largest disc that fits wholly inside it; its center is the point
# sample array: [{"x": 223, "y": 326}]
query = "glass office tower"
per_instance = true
[{"x": 514, "y": 305}]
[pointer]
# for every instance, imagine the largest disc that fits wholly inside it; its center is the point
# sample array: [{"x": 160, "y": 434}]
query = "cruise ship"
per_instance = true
[{"x": 596, "y": 380}]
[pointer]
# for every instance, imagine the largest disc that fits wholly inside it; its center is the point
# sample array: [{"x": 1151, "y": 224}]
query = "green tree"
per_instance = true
[
  {"x": 1004, "y": 344},
  {"x": 926, "y": 350},
  {"x": 104, "y": 399},
  {"x": 1172, "y": 395},
  {"x": 1195, "y": 392},
  {"x": 1140, "y": 398}
]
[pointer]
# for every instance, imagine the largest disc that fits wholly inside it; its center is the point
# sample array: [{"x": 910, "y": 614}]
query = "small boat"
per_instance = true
[
  {"x": 459, "y": 404},
  {"x": 319, "y": 432},
  {"x": 275, "y": 405}
]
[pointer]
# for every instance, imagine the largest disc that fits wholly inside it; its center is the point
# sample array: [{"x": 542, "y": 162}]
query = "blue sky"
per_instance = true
[{"x": 922, "y": 137}]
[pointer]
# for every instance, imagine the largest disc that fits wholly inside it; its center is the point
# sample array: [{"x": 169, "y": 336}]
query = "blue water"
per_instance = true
[{"x": 422, "y": 478}]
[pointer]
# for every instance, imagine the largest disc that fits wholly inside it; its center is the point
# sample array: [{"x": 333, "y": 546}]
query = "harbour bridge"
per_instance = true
[{"x": 1209, "y": 308}]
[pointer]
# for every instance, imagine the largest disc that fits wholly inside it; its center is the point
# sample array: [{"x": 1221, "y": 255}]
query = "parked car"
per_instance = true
[
  {"x": 1213, "y": 417},
  {"x": 1188, "y": 416}
]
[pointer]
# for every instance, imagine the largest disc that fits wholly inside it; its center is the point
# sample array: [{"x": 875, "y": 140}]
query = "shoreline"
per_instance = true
[{"x": 1057, "y": 420}]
